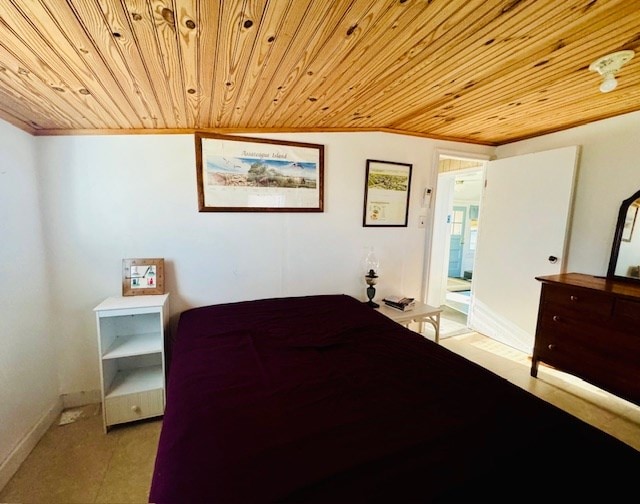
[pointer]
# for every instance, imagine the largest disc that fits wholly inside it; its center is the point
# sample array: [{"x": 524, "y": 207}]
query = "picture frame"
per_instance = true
[
  {"x": 629, "y": 223},
  {"x": 386, "y": 194},
  {"x": 243, "y": 174},
  {"x": 141, "y": 277}
]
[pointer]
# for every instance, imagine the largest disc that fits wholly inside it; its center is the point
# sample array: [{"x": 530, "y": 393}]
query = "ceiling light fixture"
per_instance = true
[{"x": 608, "y": 66}]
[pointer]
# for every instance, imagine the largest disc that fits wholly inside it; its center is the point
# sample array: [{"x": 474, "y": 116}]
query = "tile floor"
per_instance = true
[{"x": 78, "y": 463}]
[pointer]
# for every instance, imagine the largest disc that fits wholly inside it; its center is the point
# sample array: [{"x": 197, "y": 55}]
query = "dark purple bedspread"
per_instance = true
[{"x": 321, "y": 399}]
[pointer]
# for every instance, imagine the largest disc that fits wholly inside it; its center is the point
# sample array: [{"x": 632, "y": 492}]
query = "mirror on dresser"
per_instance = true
[{"x": 625, "y": 252}]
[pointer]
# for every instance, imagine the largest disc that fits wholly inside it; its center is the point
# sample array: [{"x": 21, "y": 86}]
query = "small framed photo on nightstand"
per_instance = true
[{"x": 142, "y": 277}]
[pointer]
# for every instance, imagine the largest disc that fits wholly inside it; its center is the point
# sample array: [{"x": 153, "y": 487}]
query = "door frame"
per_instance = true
[{"x": 434, "y": 289}]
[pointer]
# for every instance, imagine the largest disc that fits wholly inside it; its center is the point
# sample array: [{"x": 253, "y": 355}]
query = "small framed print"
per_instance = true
[
  {"x": 386, "y": 194},
  {"x": 142, "y": 276}
]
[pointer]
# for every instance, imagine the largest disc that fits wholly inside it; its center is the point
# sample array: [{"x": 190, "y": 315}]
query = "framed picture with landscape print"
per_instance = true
[
  {"x": 386, "y": 194},
  {"x": 241, "y": 174}
]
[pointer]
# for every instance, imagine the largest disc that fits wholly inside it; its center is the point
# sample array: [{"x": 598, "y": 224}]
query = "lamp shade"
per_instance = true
[
  {"x": 371, "y": 262},
  {"x": 609, "y": 83}
]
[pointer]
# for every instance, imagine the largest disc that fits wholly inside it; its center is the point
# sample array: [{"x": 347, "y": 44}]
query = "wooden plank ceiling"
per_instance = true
[{"x": 482, "y": 71}]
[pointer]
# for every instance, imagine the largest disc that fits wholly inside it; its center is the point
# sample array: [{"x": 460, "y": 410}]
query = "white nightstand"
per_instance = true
[
  {"x": 421, "y": 313},
  {"x": 131, "y": 336}
]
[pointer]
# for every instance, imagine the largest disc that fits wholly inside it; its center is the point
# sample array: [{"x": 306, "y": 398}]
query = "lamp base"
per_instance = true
[{"x": 371, "y": 293}]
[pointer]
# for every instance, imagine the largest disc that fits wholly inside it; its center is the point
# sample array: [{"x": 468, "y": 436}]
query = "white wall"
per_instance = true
[
  {"x": 28, "y": 380},
  {"x": 105, "y": 198},
  {"x": 112, "y": 197},
  {"x": 608, "y": 173}
]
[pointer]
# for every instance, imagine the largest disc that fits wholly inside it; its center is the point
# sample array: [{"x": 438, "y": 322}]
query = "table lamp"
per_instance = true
[{"x": 371, "y": 264}]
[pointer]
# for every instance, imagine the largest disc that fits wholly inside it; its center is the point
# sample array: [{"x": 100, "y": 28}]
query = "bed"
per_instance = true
[{"x": 322, "y": 399}]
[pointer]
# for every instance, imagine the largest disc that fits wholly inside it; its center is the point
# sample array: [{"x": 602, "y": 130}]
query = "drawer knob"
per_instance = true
[
  {"x": 573, "y": 298},
  {"x": 551, "y": 346},
  {"x": 556, "y": 318},
  {"x": 135, "y": 408}
]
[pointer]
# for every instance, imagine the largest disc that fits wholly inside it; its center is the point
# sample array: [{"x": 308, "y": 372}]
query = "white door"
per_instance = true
[{"x": 524, "y": 223}]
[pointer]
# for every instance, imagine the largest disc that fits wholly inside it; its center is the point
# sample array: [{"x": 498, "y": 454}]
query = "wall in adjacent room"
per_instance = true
[
  {"x": 29, "y": 396},
  {"x": 608, "y": 173},
  {"x": 112, "y": 197}
]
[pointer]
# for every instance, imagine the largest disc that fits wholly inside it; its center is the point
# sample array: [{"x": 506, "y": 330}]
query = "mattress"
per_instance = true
[{"x": 322, "y": 399}]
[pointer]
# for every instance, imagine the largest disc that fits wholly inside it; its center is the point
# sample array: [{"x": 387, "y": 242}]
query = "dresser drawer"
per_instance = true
[
  {"x": 590, "y": 364},
  {"x": 569, "y": 356},
  {"x": 558, "y": 320},
  {"x": 137, "y": 406},
  {"x": 626, "y": 314},
  {"x": 602, "y": 339},
  {"x": 588, "y": 303}
]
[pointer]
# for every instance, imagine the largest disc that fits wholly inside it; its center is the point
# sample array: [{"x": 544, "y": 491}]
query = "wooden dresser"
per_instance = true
[{"x": 590, "y": 327}]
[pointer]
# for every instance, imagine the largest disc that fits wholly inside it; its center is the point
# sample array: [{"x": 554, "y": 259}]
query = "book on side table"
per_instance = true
[{"x": 400, "y": 302}]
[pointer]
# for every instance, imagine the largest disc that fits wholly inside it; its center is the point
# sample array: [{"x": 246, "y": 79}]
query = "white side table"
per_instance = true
[
  {"x": 421, "y": 313},
  {"x": 131, "y": 336}
]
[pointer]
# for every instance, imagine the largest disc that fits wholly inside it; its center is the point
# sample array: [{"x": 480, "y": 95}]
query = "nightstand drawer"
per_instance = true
[{"x": 130, "y": 407}]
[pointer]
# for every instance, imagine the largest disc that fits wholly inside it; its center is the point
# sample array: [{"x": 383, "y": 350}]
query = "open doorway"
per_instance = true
[{"x": 454, "y": 239}]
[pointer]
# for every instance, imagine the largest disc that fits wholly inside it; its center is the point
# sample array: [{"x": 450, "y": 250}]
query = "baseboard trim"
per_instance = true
[{"x": 18, "y": 455}]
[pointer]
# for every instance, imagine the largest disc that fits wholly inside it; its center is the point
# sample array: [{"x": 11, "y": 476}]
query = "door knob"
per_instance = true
[{"x": 553, "y": 259}]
